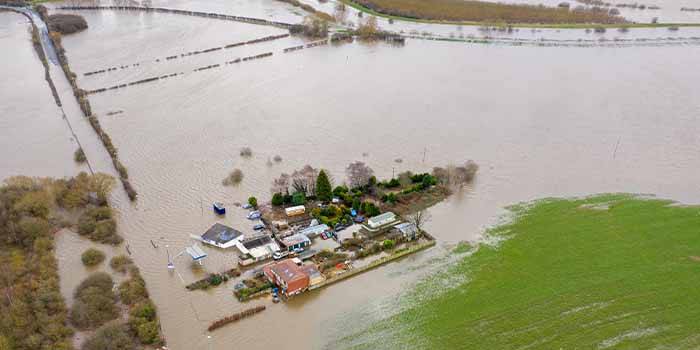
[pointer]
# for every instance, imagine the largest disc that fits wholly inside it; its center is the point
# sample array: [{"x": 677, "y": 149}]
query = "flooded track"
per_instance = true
[{"x": 540, "y": 121}]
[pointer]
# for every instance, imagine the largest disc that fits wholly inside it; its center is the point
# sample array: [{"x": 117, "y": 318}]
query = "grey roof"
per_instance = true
[
  {"x": 257, "y": 242},
  {"x": 406, "y": 228},
  {"x": 220, "y": 233}
]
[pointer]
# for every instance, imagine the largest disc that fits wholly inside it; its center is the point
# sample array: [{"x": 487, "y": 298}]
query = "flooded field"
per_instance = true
[
  {"x": 26, "y": 104},
  {"x": 540, "y": 121}
]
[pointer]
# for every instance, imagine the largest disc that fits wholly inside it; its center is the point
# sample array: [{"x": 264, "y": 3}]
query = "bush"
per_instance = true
[
  {"x": 370, "y": 209},
  {"x": 253, "y": 202},
  {"x": 98, "y": 225},
  {"x": 388, "y": 244},
  {"x": 246, "y": 152},
  {"x": 67, "y": 23},
  {"x": 120, "y": 263},
  {"x": 92, "y": 257},
  {"x": 234, "y": 178},
  {"x": 133, "y": 290},
  {"x": 143, "y": 322},
  {"x": 79, "y": 156},
  {"x": 277, "y": 158},
  {"x": 110, "y": 337},
  {"x": 95, "y": 302},
  {"x": 298, "y": 198},
  {"x": 277, "y": 199}
]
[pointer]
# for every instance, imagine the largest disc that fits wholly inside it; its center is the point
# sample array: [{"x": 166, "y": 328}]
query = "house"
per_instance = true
[
  {"x": 296, "y": 210},
  {"x": 259, "y": 247},
  {"x": 290, "y": 277},
  {"x": 407, "y": 230},
  {"x": 380, "y": 220},
  {"x": 315, "y": 230},
  {"x": 221, "y": 236},
  {"x": 295, "y": 241}
]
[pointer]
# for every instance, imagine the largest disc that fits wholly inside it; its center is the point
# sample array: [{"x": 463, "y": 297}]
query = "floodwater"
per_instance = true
[
  {"x": 540, "y": 121},
  {"x": 25, "y": 103}
]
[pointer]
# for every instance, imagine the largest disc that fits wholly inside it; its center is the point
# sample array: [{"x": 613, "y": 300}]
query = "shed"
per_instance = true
[
  {"x": 407, "y": 230},
  {"x": 381, "y": 220},
  {"x": 296, "y": 210}
]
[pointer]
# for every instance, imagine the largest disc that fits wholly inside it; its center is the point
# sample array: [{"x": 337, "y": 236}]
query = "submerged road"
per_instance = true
[{"x": 46, "y": 43}]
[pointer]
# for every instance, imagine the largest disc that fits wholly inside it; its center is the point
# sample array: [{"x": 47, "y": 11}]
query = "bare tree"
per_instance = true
[
  {"x": 281, "y": 184},
  {"x": 456, "y": 175},
  {"x": 358, "y": 174},
  {"x": 304, "y": 180},
  {"x": 419, "y": 219}
]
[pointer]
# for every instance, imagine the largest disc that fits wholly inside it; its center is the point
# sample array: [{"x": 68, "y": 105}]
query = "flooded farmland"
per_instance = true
[{"x": 540, "y": 121}]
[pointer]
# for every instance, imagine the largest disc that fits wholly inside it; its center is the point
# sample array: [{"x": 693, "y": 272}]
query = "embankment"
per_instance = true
[
  {"x": 85, "y": 107},
  {"x": 250, "y": 20}
]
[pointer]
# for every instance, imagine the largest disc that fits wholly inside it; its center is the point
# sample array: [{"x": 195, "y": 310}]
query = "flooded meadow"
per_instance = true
[{"x": 540, "y": 121}]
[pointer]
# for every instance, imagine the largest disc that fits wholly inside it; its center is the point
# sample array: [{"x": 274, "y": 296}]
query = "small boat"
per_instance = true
[
  {"x": 219, "y": 208},
  {"x": 254, "y": 215}
]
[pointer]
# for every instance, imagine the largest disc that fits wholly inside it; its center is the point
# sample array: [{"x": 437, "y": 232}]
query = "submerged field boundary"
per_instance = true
[
  {"x": 187, "y": 54},
  {"x": 250, "y": 20},
  {"x": 203, "y": 68},
  {"x": 517, "y": 25},
  {"x": 602, "y": 42}
]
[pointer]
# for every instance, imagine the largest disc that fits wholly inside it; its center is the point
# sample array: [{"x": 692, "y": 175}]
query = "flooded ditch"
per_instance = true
[{"x": 540, "y": 121}]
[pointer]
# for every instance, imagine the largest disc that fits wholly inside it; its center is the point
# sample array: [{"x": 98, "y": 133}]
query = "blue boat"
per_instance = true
[{"x": 219, "y": 208}]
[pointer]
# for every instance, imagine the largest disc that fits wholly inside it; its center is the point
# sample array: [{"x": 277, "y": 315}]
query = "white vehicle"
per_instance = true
[{"x": 280, "y": 254}]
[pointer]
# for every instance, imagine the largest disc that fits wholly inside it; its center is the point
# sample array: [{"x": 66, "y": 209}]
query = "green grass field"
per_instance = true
[{"x": 606, "y": 272}]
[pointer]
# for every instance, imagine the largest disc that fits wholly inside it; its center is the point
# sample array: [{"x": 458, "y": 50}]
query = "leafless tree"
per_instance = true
[
  {"x": 358, "y": 174},
  {"x": 456, "y": 175},
  {"x": 419, "y": 219},
  {"x": 280, "y": 184},
  {"x": 304, "y": 180}
]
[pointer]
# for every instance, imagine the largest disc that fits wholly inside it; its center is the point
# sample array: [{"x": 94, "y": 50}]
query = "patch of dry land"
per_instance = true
[{"x": 487, "y": 12}]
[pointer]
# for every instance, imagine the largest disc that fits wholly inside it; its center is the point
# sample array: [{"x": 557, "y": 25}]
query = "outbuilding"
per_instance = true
[
  {"x": 380, "y": 220},
  {"x": 296, "y": 210}
]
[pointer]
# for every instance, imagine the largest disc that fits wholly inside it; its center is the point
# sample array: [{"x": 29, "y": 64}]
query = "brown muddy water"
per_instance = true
[{"x": 539, "y": 121}]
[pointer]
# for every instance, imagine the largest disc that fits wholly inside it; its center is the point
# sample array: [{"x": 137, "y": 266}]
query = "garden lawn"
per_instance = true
[{"x": 605, "y": 272}]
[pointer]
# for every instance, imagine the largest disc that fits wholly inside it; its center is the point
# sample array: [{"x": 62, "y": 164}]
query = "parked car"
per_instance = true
[
  {"x": 254, "y": 215},
  {"x": 298, "y": 250},
  {"x": 280, "y": 254},
  {"x": 259, "y": 226},
  {"x": 246, "y": 206}
]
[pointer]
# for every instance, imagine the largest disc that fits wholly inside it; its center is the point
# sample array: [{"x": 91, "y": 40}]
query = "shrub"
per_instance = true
[
  {"x": 234, "y": 178},
  {"x": 253, "y": 202},
  {"x": 98, "y": 225},
  {"x": 277, "y": 158},
  {"x": 246, "y": 152},
  {"x": 67, "y": 23},
  {"x": 95, "y": 302},
  {"x": 298, "y": 198},
  {"x": 110, "y": 337},
  {"x": 277, "y": 199},
  {"x": 388, "y": 244},
  {"x": 370, "y": 209},
  {"x": 133, "y": 290},
  {"x": 120, "y": 263},
  {"x": 92, "y": 257},
  {"x": 79, "y": 156}
]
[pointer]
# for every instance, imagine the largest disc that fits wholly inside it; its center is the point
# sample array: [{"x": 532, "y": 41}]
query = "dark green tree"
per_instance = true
[{"x": 323, "y": 187}]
